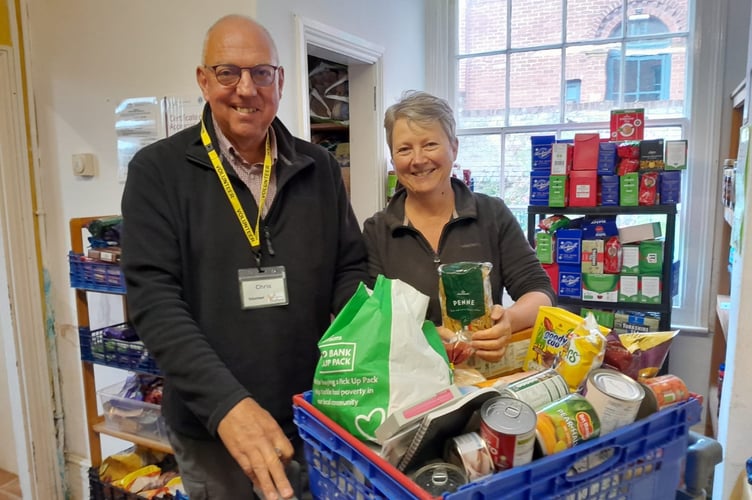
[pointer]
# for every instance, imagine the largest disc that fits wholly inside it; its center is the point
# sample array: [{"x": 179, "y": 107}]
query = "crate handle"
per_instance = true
[{"x": 594, "y": 464}]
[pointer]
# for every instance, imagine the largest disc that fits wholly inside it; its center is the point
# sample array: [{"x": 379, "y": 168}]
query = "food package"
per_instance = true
[
  {"x": 639, "y": 355},
  {"x": 551, "y": 331},
  {"x": 466, "y": 302},
  {"x": 584, "y": 352}
]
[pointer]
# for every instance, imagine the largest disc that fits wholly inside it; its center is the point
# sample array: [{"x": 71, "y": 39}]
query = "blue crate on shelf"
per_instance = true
[
  {"x": 96, "y": 347},
  {"x": 640, "y": 461},
  {"x": 94, "y": 275}
]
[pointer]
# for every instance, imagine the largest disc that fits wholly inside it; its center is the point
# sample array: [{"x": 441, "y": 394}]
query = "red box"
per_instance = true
[
  {"x": 627, "y": 124},
  {"x": 585, "y": 155},
  {"x": 583, "y": 187},
  {"x": 553, "y": 274}
]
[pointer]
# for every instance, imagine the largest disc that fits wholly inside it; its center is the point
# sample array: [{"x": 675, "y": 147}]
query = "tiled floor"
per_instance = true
[{"x": 10, "y": 489}]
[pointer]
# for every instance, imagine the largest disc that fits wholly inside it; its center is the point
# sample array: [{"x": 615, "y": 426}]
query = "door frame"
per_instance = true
[
  {"x": 364, "y": 60},
  {"x": 23, "y": 327}
]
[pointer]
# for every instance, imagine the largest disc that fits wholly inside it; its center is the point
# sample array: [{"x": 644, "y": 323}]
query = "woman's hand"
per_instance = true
[{"x": 491, "y": 344}]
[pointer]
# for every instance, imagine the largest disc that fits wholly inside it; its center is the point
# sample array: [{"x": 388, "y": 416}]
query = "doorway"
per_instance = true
[{"x": 363, "y": 60}]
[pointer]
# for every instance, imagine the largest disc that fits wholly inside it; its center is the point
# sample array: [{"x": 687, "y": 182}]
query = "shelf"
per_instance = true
[
  {"x": 722, "y": 308},
  {"x": 629, "y": 306},
  {"x": 604, "y": 210},
  {"x": 152, "y": 444},
  {"x": 328, "y": 127}
]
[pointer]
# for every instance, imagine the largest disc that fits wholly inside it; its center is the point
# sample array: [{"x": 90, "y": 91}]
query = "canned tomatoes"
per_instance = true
[
  {"x": 566, "y": 423},
  {"x": 615, "y": 397},
  {"x": 507, "y": 425},
  {"x": 470, "y": 452},
  {"x": 661, "y": 392},
  {"x": 539, "y": 389}
]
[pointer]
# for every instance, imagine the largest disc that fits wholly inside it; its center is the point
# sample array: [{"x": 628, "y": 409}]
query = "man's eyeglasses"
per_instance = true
[{"x": 229, "y": 74}]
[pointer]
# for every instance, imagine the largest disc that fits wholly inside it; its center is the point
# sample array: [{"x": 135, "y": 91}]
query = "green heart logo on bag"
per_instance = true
[{"x": 378, "y": 355}]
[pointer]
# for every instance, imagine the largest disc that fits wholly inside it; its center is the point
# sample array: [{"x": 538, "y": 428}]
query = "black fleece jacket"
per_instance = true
[{"x": 182, "y": 249}]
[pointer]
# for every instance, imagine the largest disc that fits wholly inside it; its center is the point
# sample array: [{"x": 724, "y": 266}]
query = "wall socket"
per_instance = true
[{"x": 84, "y": 165}]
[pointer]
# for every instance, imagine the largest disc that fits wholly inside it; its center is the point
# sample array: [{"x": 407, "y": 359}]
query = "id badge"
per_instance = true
[{"x": 266, "y": 287}]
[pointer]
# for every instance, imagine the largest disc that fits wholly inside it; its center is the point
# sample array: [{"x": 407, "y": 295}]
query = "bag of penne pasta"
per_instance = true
[{"x": 465, "y": 298}]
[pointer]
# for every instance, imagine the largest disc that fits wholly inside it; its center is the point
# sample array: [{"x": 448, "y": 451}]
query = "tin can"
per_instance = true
[
  {"x": 615, "y": 397},
  {"x": 439, "y": 478},
  {"x": 470, "y": 452},
  {"x": 566, "y": 423},
  {"x": 661, "y": 392},
  {"x": 539, "y": 389},
  {"x": 507, "y": 425}
]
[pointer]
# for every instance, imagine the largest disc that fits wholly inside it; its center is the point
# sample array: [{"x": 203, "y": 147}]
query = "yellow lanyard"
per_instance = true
[{"x": 250, "y": 233}]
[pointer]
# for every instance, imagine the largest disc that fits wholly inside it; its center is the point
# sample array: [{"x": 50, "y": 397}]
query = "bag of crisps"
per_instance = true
[{"x": 583, "y": 353}]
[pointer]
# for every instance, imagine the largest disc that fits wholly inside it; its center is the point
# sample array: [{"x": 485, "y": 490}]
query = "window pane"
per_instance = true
[
  {"x": 482, "y": 155},
  {"x": 482, "y": 26},
  {"x": 655, "y": 76},
  {"x": 675, "y": 15},
  {"x": 481, "y": 99},
  {"x": 535, "y": 87},
  {"x": 592, "y": 64},
  {"x": 592, "y": 19},
  {"x": 534, "y": 25}
]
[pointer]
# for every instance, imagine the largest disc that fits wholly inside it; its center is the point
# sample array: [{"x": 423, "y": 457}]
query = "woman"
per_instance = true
[{"x": 435, "y": 219}]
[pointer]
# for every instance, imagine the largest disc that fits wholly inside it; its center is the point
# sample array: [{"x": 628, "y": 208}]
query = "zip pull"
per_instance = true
[
  {"x": 257, "y": 254},
  {"x": 268, "y": 239}
]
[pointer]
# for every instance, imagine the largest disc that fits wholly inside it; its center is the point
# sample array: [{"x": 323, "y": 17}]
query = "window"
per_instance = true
[
  {"x": 522, "y": 70},
  {"x": 573, "y": 89}
]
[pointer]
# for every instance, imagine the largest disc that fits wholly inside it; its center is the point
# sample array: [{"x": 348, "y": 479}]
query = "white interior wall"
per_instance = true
[{"x": 87, "y": 56}]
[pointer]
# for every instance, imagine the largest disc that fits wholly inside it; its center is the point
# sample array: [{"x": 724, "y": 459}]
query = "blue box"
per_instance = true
[
  {"x": 539, "y": 183},
  {"x": 607, "y": 158},
  {"x": 570, "y": 281},
  {"x": 568, "y": 246},
  {"x": 541, "y": 152},
  {"x": 608, "y": 190},
  {"x": 669, "y": 187},
  {"x": 638, "y": 461}
]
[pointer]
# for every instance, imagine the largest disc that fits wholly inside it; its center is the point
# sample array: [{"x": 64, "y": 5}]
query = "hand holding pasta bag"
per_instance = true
[
  {"x": 379, "y": 354},
  {"x": 466, "y": 302}
]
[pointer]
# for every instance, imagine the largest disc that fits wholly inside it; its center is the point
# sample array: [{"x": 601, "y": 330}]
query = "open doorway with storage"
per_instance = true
[{"x": 350, "y": 70}]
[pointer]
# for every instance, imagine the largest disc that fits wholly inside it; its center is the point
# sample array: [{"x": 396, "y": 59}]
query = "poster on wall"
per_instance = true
[
  {"x": 143, "y": 120},
  {"x": 139, "y": 121},
  {"x": 182, "y": 112}
]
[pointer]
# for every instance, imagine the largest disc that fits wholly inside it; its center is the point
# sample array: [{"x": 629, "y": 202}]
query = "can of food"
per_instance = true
[
  {"x": 470, "y": 452},
  {"x": 438, "y": 478},
  {"x": 661, "y": 392},
  {"x": 566, "y": 423},
  {"x": 615, "y": 397},
  {"x": 507, "y": 425},
  {"x": 538, "y": 390}
]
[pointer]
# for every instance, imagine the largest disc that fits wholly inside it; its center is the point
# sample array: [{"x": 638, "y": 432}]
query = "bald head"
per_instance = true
[{"x": 236, "y": 23}]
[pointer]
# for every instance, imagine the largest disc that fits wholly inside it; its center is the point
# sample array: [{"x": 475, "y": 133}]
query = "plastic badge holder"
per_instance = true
[{"x": 639, "y": 461}]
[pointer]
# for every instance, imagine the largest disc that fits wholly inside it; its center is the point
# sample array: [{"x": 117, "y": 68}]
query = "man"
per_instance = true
[{"x": 239, "y": 243}]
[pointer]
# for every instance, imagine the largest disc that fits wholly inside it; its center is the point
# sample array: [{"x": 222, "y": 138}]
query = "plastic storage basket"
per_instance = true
[
  {"x": 94, "y": 275},
  {"x": 640, "y": 461},
  {"x": 96, "y": 347},
  {"x": 131, "y": 415}
]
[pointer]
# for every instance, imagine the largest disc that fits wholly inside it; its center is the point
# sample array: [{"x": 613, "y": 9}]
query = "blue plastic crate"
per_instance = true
[
  {"x": 640, "y": 461},
  {"x": 128, "y": 355},
  {"x": 94, "y": 275}
]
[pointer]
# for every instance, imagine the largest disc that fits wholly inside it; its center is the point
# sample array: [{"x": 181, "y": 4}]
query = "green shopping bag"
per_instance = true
[{"x": 378, "y": 355}]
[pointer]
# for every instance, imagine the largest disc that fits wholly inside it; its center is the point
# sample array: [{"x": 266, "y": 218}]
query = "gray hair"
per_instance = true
[{"x": 421, "y": 108}]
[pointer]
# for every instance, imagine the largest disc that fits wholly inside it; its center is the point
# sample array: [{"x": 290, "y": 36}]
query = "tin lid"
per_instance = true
[
  {"x": 438, "y": 478},
  {"x": 617, "y": 385},
  {"x": 508, "y": 415}
]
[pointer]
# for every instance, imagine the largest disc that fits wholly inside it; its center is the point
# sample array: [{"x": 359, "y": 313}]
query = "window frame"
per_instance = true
[{"x": 707, "y": 28}]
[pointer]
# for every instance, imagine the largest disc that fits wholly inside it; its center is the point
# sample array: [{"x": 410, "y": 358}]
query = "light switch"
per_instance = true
[{"x": 84, "y": 165}]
